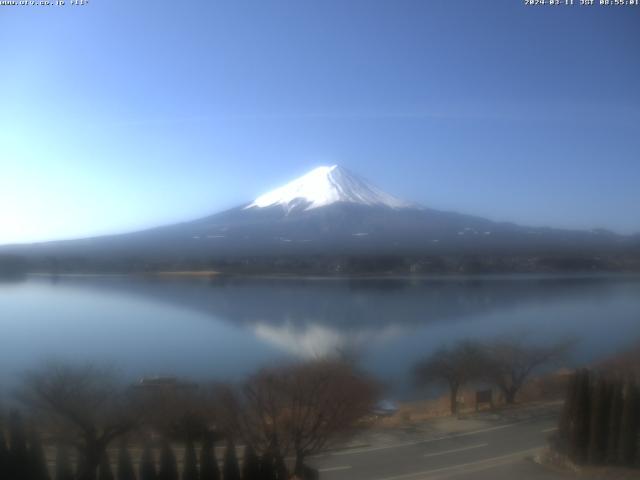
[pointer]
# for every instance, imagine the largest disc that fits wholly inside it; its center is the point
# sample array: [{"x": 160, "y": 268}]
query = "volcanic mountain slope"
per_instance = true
[{"x": 331, "y": 211}]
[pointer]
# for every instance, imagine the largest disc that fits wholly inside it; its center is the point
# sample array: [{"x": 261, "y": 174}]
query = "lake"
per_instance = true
[{"x": 226, "y": 328}]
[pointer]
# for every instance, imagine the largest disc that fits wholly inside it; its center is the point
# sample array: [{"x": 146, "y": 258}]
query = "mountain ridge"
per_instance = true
[{"x": 328, "y": 212}]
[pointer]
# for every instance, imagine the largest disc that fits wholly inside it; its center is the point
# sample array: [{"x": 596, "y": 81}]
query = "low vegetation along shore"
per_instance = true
[
  {"x": 73, "y": 422},
  {"x": 329, "y": 265}
]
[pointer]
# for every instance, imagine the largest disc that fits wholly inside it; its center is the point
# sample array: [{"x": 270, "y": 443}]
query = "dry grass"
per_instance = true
[
  {"x": 540, "y": 389},
  {"x": 560, "y": 463}
]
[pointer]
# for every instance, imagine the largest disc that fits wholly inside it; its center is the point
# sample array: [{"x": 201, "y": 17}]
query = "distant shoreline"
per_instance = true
[
  {"x": 185, "y": 273},
  {"x": 378, "y": 276}
]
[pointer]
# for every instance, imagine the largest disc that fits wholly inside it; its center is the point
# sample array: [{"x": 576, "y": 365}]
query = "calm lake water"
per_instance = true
[{"x": 228, "y": 328}]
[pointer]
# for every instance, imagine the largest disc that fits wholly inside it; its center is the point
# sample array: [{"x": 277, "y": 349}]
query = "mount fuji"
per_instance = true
[
  {"x": 322, "y": 187},
  {"x": 329, "y": 212}
]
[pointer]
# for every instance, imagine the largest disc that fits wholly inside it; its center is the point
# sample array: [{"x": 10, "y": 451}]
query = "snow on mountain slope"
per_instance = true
[{"x": 324, "y": 186}]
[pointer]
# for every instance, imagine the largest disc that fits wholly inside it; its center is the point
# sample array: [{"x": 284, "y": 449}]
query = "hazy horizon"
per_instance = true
[{"x": 145, "y": 227}]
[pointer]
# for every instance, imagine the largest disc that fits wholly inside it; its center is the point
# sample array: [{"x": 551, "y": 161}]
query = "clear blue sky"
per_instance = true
[{"x": 127, "y": 114}]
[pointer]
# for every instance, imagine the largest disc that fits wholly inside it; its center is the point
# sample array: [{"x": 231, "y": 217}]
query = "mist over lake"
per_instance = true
[{"x": 226, "y": 328}]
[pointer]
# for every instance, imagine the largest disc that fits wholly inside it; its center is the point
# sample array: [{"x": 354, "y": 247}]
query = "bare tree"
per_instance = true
[
  {"x": 626, "y": 362},
  {"x": 80, "y": 405},
  {"x": 176, "y": 409},
  {"x": 510, "y": 361},
  {"x": 299, "y": 409},
  {"x": 453, "y": 366}
]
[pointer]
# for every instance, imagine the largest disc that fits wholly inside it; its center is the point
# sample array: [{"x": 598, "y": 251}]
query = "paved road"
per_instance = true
[{"x": 495, "y": 452}]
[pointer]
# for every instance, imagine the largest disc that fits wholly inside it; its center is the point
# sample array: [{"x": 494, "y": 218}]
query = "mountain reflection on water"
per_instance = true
[{"x": 229, "y": 326}]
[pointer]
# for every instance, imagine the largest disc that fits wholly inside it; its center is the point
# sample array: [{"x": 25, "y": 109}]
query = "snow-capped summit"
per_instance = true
[
  {"x": 326, "y": 185},
  {"x": 356, "y": 219}
]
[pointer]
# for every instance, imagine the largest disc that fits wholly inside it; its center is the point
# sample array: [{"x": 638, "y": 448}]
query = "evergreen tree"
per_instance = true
[
  {"x": 579, "y": 428},
  {"x": 4, "y": 456},
  {"x": 598, "y": 422},
  {"x": 125, "y": 465},
  {"x": 231, "y": 470},
  {"x": 63, "y": 464},
  {"x": 168, "y": 464},
  {"x": 280, "y": 468},
  {"x": 250, "y": 465},
  {"x": 18, "y": 452},
  {"x": 147, "y": 464},
  {"x": 267, "y": 467},
  {"x": 567, "y": 415},
  {"x": 37, "y": 460},
  {"x": 307, "y": 473},
  {"x": 208, "y": 463},
  {"x": 190, "y": 462},
  {"x": 104, "y": 470},
  {"x": 615, "y": 416},
  {"x": 629, "y": 426},
  {"x": 82, "y": 467}
]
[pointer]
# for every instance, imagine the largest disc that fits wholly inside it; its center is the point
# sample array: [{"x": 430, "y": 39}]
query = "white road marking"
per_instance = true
[
  {"x": 428, "y": 440},
  {"x": 547, "y": 430},
  {"x": 467, "y": 467},
  {"x": 484, "y": 465},
  {"x": 334, "y": 469},
  {"x": 455, "y": 450}
]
